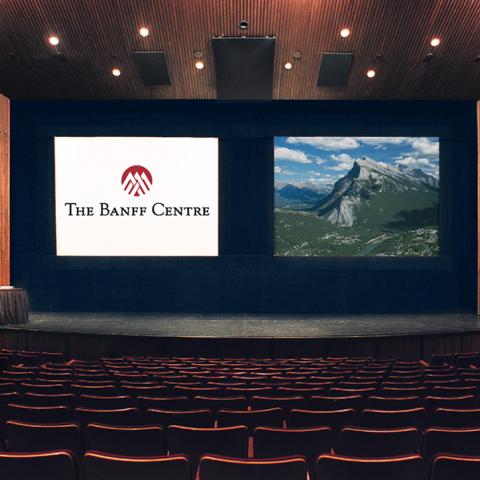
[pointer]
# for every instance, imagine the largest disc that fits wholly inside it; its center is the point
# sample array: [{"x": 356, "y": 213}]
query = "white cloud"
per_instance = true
[
  {"x": 342, "y": 167},
  {"x": 425, "y": 147},
  {"x": 342, "y": 157},
  {"x": 326, "y": 143},
  {"x": 414, "y": 162},
  {"x": 378, "y": 141},
  {"x": 277, "y": 169},
  {"x": 291, "y": 155}
]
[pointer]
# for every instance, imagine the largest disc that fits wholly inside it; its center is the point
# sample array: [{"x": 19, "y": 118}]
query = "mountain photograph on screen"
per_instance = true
[{"x": 356, "y": 196}]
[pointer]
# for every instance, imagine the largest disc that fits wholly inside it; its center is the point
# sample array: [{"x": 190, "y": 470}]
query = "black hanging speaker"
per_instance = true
[
  {"x": 244, "y": 67},
  {"x": 152, "y": 68},
  {"x": 334, "y": 69}
]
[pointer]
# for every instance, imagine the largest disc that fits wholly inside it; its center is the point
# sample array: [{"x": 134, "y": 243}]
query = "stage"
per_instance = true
[
  {"x": 240, "y": 326},
  {"x": 89, "y": 335}
]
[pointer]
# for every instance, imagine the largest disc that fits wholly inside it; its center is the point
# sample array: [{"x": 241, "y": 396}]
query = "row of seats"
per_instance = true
[
  {"x": 338, "y": 418},
  {"x": 61, "y": 466},
  {"x": 234, "y": 441}
]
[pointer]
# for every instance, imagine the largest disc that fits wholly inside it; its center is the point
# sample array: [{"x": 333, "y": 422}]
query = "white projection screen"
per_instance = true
[{"x": 136, "y": 196}]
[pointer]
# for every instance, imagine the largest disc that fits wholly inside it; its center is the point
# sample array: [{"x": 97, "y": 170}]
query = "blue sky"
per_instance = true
[{"x": 321, "y": 161}]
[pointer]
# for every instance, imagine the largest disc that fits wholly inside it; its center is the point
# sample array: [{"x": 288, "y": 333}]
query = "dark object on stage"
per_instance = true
[
  {"x": 334, "y": 69},
  {"x": 244, "y": 67},
  {"x": 152, "y": 68}
]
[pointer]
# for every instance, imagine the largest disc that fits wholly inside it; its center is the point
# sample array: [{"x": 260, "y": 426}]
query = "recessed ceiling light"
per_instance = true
[
  {"x": 116, "y": 72},
  {"x": 288, "y": 66},
  {"x": 199, "y": 65},
  {"x": 435, "y": 42},
  {"x": 144, "y": 32},
  {"x": 53, "y": 40},
  {"x": 345, "y": 32},
  {"x": 371, "y": 73}
]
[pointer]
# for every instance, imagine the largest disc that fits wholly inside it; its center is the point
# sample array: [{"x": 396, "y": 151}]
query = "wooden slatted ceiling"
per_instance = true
[
  {"x": 4, "y": 191},
  {"x": 94, "y": 33}
]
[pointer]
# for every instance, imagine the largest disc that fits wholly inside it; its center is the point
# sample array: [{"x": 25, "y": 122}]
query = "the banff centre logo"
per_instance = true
[{"x": 137, "y": 180}]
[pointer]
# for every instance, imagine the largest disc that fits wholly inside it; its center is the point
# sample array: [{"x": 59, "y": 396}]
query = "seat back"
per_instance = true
[
  {"x": 336, "y": 419},
  {"x": 32, "y": 414},
  {"x": 461, "y": 441},
  {"x": 216, "y": 403},
  {"x": 279, "y": 442},
  {"x": 412, "y": 417},
  {"x": 117, "y": 416},
  {"x": 34, "y": 437},
  {"x": 451, "y": 417},
  {"x": 188, "y": 418},
  {"x": 39, "y": 466},
  {"x": 195, "y": 442},
  {"x": 448, "y": 467},
  {"x": 115, "y": 467},
  {"x": 326, "y": 402},
  {"x": 286, "y": 403},
  {"x": 270, "y": 417},
  {"x": 335, "y": 467},
  {"x": 370, "y": 442},
  {"x": 214, "y": 467},
  {"x": 130, "y": 441}
]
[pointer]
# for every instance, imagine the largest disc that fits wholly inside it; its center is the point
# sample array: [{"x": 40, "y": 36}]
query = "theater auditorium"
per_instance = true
[{"x": 239, "y": 240}]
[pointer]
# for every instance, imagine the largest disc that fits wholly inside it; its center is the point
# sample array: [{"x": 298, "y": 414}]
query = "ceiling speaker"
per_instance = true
[
  {"x": 244, "y": 67},
  {"x": 334, "y": 69},
  {"x": 152, "y": 68}
]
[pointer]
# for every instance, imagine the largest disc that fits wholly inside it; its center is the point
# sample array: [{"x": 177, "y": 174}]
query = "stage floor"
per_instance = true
[{"x": 248, "y": 326}]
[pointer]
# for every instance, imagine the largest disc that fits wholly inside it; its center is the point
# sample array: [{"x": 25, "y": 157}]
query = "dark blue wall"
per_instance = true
[{"x": 246, "y": 277}]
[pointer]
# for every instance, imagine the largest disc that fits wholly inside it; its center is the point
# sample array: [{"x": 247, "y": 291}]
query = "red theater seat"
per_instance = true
[
  {"x": 58, "y": 465},
  {"x": 216, "y": 403},
  {"x": 449, "y": 467},
  {"x": 114, "y": 467},
  {"x": 130, "y": 441},
  {"x": 214, "y": 467},
  {"x": 461, "y": 441},
  {"x": 286, "y": 403},
  {"x": 336, "y": 419},
  {"x": 190, "y": 418},
  {"x": 40, "y": 399},
  {"x": 117, "y": 416},
  {"x": 279, "y": 442},
  {"x": 336, "y": 467},
  {"x": 32, "y": 437},
  {"x": 269, "y": 417},
  {"x": 105, "y": 403},
  {"x": 326, "y": 402},
  {"x": 412, "y": 417},
  {"x": 31, "y": 414},
  {"x": 164, "y": 403},
  {"x": 450, "y": 417},
  {"x": 195, "y": 442},
  {"x": 393, "y": 403},
  {"x": 373, "y": 442}
]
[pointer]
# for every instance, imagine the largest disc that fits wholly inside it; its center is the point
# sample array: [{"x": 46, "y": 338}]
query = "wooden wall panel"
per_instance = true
[{"x": 4, "y": 191}]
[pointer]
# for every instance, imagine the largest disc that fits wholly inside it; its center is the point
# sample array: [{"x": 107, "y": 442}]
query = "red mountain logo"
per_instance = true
[{"x": 137, "y": 180}]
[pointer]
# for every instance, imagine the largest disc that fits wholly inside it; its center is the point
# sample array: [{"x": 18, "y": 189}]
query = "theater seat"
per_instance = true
[
  {"x": 130, "y": 441},
  {"x": 31, "y": 414},
  {"x": 336, "y": 467},
  {"x": 279, "y": 442},
  {"x": 412, "y": 417},
  {"x": 451, "y": 417},
  {"x": 115, "y": 467},
  {"x": 286, "y": 403},
  {"x": 190, "y": 418},
  {"x": 195, "y": 442},
  {"x": 374, "y": 442},
  {"x": 336, "y": 419},
  {"x": 461, "y": 441},
  {"x": 269, "y": 417},
  {"x": 116, "y": 416},
  {"x": 215, "y": 467},
  {"x": 448, "y": 467},
  {"x": 58, "y": 465},
  {"x": 32, "y": 437}
]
